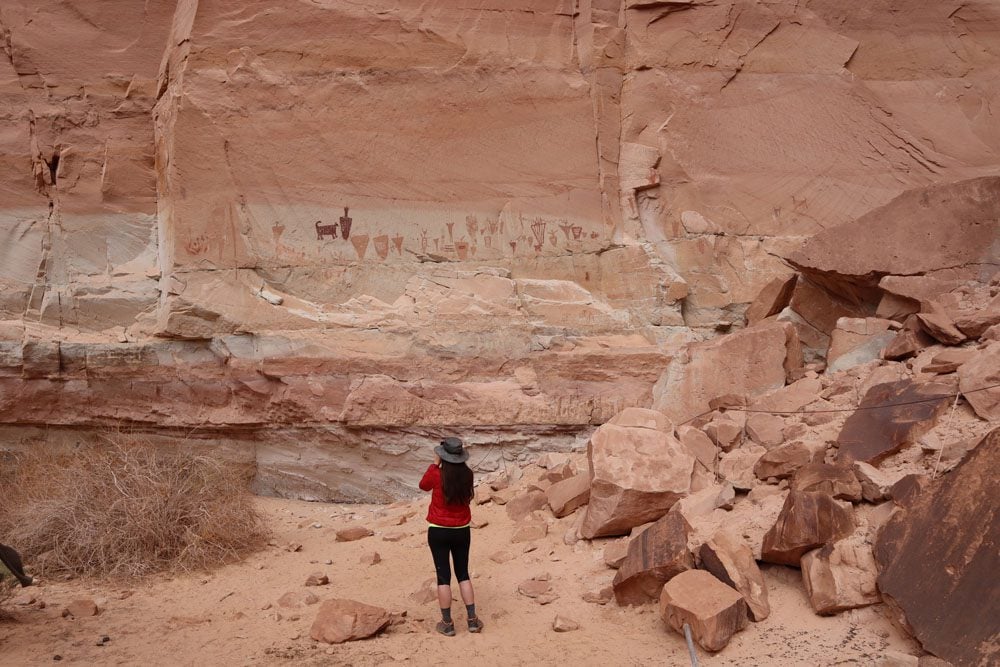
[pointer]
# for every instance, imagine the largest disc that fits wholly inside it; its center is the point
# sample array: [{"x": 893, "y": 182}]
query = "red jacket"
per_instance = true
[{"x": 441, "y": 513}]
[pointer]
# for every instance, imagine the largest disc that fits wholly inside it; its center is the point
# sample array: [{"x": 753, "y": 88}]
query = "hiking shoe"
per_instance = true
[
  {"x": 446, "y": 629},
  {"x": 475, "y": 625}
]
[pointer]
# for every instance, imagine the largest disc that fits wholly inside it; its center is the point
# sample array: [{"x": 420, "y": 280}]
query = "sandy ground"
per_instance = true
[{"x": 231, "y": 616}]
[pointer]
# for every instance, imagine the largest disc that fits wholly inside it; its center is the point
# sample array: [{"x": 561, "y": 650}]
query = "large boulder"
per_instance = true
[
  {"x": 567, "y": 495},
  {"x": 636, "y": 474},
  {"x": 340, "y": 621},
  {"x": 890, "y": 416},
  {"x": 807, "y": 520},
  {"x": 978, "y": 379},
  {"x": 713, "y": 610},
  {"x": 939, "y": 557},
  {"x": 838, "y": 480},
  {"x": 755, "y": 361},
  {"x": 656, "y": 555},
  {"x": 839, "y": 576},
  {"x": 771, "y": 299},
  {"x": 732, "y": 562},
  {"x": 858, "y": 340},
  {"x": 957, "y": 223},
  {"x": 783, "y": 461}
]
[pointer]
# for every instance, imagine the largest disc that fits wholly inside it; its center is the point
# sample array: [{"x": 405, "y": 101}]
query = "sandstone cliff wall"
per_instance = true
[{"x": 322, "y": 234}]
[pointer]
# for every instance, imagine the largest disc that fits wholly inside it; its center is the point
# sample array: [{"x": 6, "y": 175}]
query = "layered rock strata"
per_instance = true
[{"x": 320, "y": 236}]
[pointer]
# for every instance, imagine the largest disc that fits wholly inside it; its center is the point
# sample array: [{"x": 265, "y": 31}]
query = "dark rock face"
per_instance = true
[
  {"x": 807, "y": 520},
  {"x": 939, "y": 561},
  {"x": 891, "y": 415},
  {"x": 654, "y": 557}
]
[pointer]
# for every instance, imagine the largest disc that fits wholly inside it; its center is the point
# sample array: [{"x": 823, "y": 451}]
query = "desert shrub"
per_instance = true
[{"x": 126, "y": 508}]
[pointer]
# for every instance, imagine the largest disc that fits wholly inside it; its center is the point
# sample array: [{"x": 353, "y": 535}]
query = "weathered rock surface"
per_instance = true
[
  {"x": 732, "y": 562},
  {"x": 713, "y": 610},
  {"x": 938, "y": 560},
  {"x": 340, "y": 621},
  {"x": 890, "y": 416},
  {"x": 637, "y": 474},
  {"x": 839, "y": 576},
  {"x": 807, "y": 520},
  {"x": 655, "y": 556}
]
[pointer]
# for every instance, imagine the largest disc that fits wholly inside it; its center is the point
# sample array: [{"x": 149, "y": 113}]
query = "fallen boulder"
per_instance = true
[
  {"x": 737, "y": 466},
  {"x": 655, "y": 556},
  {"x": 771, "y": 299},
  {"x": 976, "y": 380},
  {"x": 806, "y": 521},
  {"x": 636, "y": 475},
  {"x": 566, "y": 496},
  {"x": 938, "y": 560},
  {"x": 765, "y": 429},
  {"x": 340, "y": 621},
  {"x": 939, "y": 326},
  {"x": 948, "y": 361},
  {"x": 732, "y": 562},
  {"x": 875, "y": 484},
  {"x": 353, "y": 533},
  {"x": 782, "y": 462},
  {"x": 713, "y": 610},
  {"x": 524, "y": 504},
  {"x": 754, "y": 360},
  {"x": 891, "y": 415},
  {"x": 858, "y": 340},
  {"x": 958, "y": 228},
  {"x": 839, "y": 576},
  {"x": 837, "y": 480}
]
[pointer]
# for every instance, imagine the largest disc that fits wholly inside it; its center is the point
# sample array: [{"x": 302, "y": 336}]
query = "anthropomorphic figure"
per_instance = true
[{"x": 449, "y": 479}]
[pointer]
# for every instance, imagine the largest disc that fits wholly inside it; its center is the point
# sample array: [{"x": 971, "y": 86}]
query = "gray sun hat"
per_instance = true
[{"x": 452, "y": 451}]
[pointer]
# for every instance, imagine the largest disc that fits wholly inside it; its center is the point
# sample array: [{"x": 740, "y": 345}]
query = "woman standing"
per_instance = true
[{"x": 449, "y": 480}]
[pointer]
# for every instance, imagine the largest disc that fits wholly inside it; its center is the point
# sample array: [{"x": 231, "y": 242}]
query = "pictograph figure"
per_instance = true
[
  {"x": 345, "y": 224},
  {"x": 423, "y": 240},
  {"x": 325, "y": 230},
  {"x": 538, "y": 229},
  {"x": 360, "y": 242},
  {"x": 381, "y": 245},
  {"x": 566, "y": 228},
  {"x": 397, "y": 241},
  {"x": 577, "y": 232},
  {"x": 462, "y": 248}
]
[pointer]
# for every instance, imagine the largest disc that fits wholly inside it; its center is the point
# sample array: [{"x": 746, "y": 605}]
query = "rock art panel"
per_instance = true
[{"x": 891, "y": 415}]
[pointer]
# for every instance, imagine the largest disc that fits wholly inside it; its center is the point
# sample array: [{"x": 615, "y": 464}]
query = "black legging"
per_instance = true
[{"x": 455, "y": 541}]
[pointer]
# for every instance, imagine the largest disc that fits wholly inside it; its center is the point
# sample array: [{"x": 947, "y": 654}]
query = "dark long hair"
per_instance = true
[{"x": 456, "y": 483}]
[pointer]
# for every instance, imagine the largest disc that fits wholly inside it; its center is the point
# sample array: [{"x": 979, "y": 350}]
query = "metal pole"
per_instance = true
[{"x": 690, "y": 643}]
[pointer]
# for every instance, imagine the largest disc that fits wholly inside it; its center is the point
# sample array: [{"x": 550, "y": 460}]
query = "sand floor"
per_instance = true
[{"x": 231, "y": 616}]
